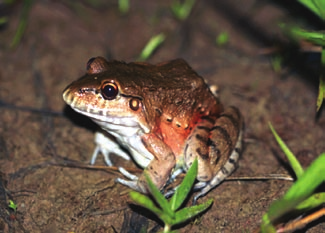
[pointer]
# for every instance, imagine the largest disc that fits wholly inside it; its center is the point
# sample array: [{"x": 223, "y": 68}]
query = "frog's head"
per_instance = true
[{"x": 101, "y": 95}]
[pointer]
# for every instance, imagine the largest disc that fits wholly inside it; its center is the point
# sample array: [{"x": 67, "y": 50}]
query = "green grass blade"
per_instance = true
[
  {"x": 321, "y": 93},
  {"x": 302, "y": 189},
  {"x": 297, "y": 168},
  {"x": 27, "y": 4},
  {"x": 159, "y": 198},
  {"x": 316, "y": 6},
  {"x": 151, "y": 46},
  {"x": 321, "y": 88},
  {"x": 312, "y": 36},
  {"x": 297, "y": 34},
  {"x": 266, "y": 226},
  {"x": 183, "y": 190},
  {"x": 189, "y": 212}
]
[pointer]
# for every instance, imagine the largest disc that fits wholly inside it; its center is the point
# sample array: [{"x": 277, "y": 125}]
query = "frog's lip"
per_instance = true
[{"x": 127, "y": 121}]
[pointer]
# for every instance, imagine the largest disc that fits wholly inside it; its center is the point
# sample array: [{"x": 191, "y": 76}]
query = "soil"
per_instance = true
[{"x": 45, "y": 147}]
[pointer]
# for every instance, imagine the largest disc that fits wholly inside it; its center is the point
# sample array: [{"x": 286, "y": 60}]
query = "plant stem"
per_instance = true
[{"x": 167, "y": 228}]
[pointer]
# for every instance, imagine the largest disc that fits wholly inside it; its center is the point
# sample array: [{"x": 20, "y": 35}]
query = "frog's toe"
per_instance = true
[
  {"x": 128, "y": 174},
  {"x": 106, "y": 146},
  {"x": 199, "y": 186},
  {"x": 169, "y": 193},
  {"x": 129, "y": 183},
  {"x": 104, "y": 152}
]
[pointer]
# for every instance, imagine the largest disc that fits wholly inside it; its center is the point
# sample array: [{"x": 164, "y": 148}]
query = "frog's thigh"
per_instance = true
[
  {"x": 160, "y": 168},
  {"x": 224, "y": 135},
  {"x": 226, "y": 145},
  {"x": 197, "y": 146}
]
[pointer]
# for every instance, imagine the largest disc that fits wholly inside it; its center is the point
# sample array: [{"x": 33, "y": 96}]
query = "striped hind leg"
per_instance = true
[{"x": 225, "y": 148}]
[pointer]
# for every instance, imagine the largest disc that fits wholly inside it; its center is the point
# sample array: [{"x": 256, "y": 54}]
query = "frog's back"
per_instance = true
[{"x": 171, "y": 76}]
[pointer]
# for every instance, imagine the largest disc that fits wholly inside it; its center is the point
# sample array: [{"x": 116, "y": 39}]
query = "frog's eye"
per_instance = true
[{"x": 109, "y": 90}]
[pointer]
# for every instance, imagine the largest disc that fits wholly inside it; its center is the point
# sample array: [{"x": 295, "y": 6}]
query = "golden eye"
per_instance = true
[{"x": 109, "y": 90}]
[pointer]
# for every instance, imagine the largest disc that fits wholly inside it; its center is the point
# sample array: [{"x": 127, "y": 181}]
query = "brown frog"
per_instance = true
[{"x": 165, "y": 115}]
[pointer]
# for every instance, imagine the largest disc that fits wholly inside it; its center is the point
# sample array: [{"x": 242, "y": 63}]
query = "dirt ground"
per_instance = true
[{"x": 43, "y": 143}]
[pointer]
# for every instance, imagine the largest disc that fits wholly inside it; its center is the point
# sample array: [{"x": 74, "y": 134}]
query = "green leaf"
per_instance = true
[
  {"x": 312, "y": 202},
  {"x": 300, "y": 190},
  {"x": 316, "y": 6},
  {"x": 294, "y": 163},
  {"x": 189, "y": 212},
  {"x": 145, "y": 201},
  {"x": 159, "y": 198},
  {"x": 183, "y": 190},
  {"x": 12, "y": 205}
]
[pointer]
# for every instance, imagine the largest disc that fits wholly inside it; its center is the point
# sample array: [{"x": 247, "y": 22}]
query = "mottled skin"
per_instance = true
[{"x": 166, "y": 108}]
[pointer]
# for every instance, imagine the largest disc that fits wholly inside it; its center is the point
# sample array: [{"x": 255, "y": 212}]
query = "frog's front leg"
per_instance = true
[
  {"x": 158, "y": 170},
  {"x": 106, "y": 146}
]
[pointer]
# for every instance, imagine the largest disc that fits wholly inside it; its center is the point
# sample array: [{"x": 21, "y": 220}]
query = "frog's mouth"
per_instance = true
[
  {"x": 93, "y": 108},
  {"x": 126, "y": 121}
]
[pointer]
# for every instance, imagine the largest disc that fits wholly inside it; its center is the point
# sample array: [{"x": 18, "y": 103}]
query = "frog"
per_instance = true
[{"x": 163, "y": 117}]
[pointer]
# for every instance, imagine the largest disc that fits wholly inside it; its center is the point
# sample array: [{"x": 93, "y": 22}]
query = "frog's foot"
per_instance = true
[
  {"x": 127, "y": 174},
  {"x": 174, "y": 175},
  {"x": 224, "y": 172},
  {"x": 106, "y": 146},
  {"x": 132, "y": 182},
  {"x": 197, "y": 187}
]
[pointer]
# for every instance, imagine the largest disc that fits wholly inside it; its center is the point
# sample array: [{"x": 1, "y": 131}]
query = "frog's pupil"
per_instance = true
[{"x": 109, "y": 91}]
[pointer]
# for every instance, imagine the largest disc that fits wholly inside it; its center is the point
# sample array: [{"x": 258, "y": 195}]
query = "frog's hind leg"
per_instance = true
[{"x": 227, "y": 131}]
